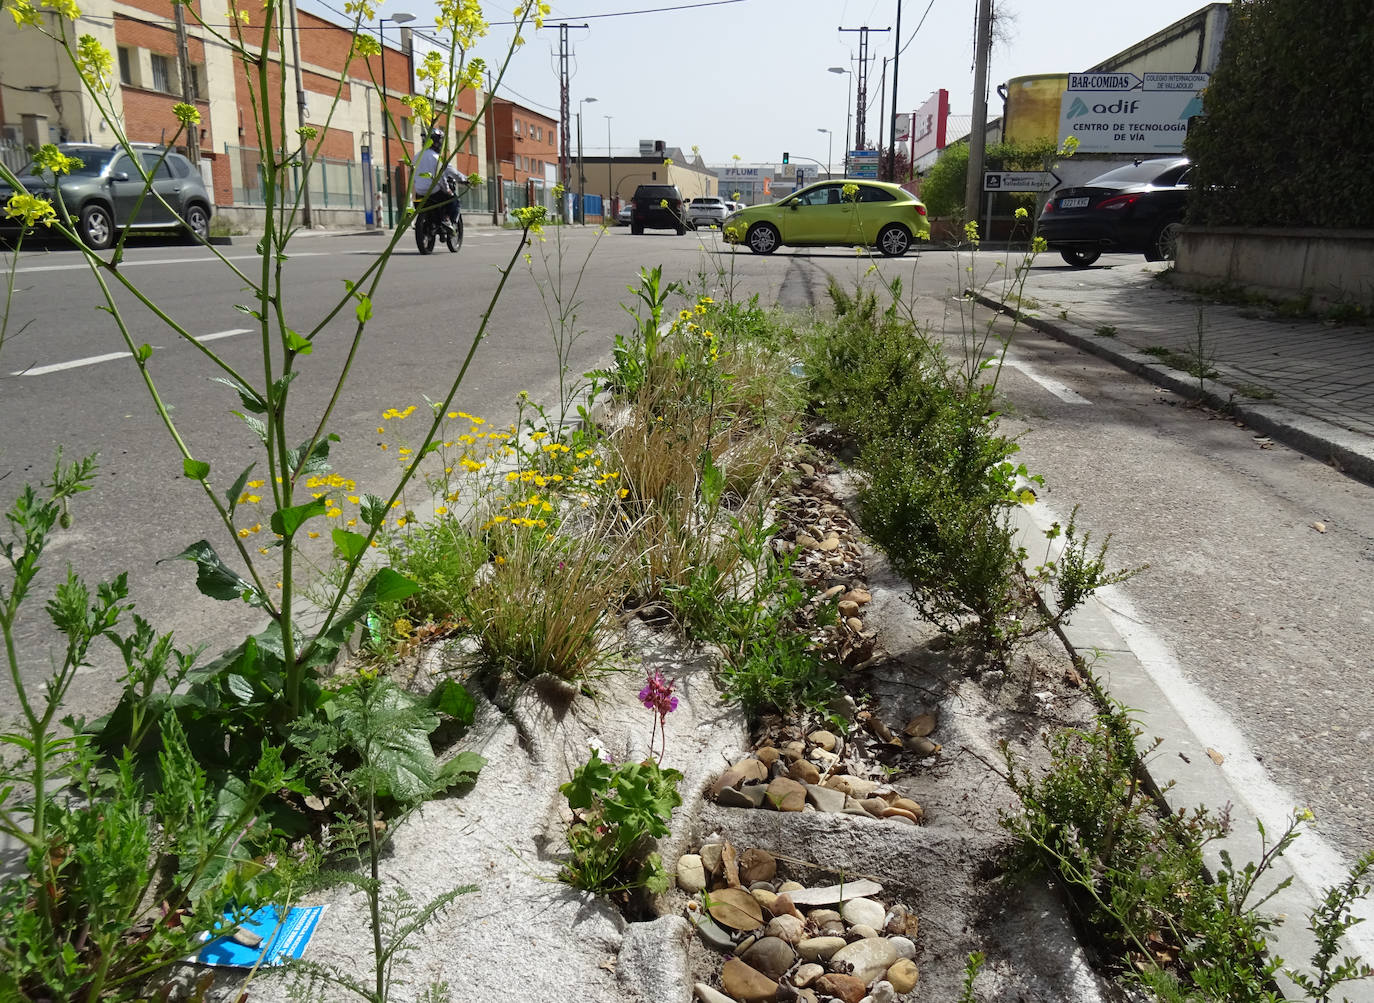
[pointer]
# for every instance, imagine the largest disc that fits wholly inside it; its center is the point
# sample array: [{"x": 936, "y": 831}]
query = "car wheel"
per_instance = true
[
  {"x": 894, "y": 240},
  {"x": 1079, "y": 258},
  {"x": 681, "y": 230},
  {"x": 1164, "y": 244},
  {"x": 637, "y": 231},
  {"x": 763, "y": 238},
  {"x": 197, "y": 224},
  {"x": 97, "y": 227},
  {"x": 455, "y": 237}
]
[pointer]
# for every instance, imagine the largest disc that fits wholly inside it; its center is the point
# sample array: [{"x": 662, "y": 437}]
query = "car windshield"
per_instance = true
[
  {"x": 90, "y": 164},
  {"x": 1156, "y": 172}
]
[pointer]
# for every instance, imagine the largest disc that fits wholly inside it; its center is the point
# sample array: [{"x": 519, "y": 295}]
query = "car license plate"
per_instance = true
[{"x": 1076, "y": 203}]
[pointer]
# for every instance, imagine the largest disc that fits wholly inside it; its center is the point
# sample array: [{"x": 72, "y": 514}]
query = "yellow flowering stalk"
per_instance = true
[{"x": 30, "y": 209}]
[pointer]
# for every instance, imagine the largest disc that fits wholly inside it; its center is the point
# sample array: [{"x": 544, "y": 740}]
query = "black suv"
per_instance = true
[
  {"x": 657, "y": 207},
  {"x": 104, "y": 190}
]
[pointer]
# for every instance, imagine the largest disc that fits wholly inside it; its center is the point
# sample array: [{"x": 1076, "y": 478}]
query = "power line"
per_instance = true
[{"x": 912, "y": 36}]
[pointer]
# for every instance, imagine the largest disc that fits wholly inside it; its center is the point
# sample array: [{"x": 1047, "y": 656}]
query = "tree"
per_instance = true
[{"x": 1286, "y": 139}]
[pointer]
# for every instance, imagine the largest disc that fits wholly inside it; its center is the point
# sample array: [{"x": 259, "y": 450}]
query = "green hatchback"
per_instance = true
[{"x": 834, "y": 213}]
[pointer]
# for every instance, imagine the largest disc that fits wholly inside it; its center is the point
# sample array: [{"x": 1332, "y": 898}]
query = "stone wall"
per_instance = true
[{"x": 1333, "y": 267}]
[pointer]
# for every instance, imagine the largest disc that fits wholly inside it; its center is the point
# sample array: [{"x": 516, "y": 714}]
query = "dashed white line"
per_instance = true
[
  {"x": 1060, "y": 390},
  {"x": 166, "y": 261},
  {"x": 92, "y": 360}
]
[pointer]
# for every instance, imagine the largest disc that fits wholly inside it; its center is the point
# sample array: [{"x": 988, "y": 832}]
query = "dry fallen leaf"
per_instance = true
[
  {"x": 735, "y": 908},
  {"x": 1320, "y": 527},
  {"x": 920, "y": 725},
  {"x": 1216, "y": 756}
]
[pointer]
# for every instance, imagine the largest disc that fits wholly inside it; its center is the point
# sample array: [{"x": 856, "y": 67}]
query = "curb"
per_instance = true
[
  {"x": 1183, "y": 767},
  {"x": 1349, "y": 452}
]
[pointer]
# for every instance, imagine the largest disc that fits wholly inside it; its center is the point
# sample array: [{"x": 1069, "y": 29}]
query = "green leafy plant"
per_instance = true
[
  {"x": 124, "y": 867},
  {"x": 618, "y": 810},
  {"x": 369, "y": 753},
  {"x": 1103, "y": 330},
  {"x": 972, "y": 967}
]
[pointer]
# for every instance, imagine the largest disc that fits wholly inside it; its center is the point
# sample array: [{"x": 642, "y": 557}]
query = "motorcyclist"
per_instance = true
[{"x": 431, "y": 192}]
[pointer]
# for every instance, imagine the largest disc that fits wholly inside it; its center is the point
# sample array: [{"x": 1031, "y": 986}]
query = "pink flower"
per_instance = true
[{"x": 657, "y": 695}]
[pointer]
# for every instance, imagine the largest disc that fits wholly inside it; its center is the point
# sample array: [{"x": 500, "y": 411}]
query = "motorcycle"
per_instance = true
[{"x": 433, "y": 226}]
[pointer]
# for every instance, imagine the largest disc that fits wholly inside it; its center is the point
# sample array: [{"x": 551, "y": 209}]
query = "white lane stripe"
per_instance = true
[
  {"x": 91, "y": 360},
  {"x": 1060, "y": 390},
  {"x": 168, "y": 261}
]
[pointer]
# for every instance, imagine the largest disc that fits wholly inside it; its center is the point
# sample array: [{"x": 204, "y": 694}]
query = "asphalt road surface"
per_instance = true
[{"x": 1264, "y": 614}]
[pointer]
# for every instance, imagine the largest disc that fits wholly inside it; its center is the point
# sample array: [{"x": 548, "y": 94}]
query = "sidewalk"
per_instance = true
[{"x": 1302, "y": 382}]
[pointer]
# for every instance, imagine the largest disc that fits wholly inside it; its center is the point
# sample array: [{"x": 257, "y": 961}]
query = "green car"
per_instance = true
[{"x": 836, "y": 213}]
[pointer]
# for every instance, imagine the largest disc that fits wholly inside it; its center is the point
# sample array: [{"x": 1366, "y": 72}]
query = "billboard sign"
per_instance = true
[
  {"x": 1151, "y": 119},
  {"x": 928, "y": 125}
]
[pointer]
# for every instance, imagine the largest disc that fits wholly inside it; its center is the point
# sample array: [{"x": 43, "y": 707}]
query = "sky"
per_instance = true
[{"x": 749, "y": 78}]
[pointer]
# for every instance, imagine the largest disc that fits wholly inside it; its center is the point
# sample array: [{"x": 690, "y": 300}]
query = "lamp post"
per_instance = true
[
  {"x": 610, "y": 185},
  {"x": 829, "y": 149},
  {"x": 848, "y": 112},
  {"x": 397, "y": 18},
  {"x": 581, "y": 214}
]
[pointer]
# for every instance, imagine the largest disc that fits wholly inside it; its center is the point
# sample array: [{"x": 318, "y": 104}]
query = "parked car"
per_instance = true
[
  {"x": 1135, "y": 209},
  {"x": 657, "y": 207},
  {"x": 875, "y": 214},
  {"x": 102, "y": 193},
  {"x": 708, "y": 210},
  {"x": 735, "y": 206},
  {"x": 622, "y": 218}
]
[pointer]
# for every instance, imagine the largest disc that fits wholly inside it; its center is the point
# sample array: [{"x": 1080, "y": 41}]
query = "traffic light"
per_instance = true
[{"x": 785, "y": 155}]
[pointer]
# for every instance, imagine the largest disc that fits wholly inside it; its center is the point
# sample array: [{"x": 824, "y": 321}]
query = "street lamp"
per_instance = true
[
  {"x": 848, "y": 112},
  {"x": 397, "y": 18},
  {"x": 610, "y": 185},
  {"x": 829, "y": 148},
  {"x": 581, "y": 177}
]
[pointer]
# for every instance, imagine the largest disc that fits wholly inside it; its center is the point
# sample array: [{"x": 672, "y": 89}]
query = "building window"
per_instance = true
[
  {"x": 517, "y": 127},
  {"x": 198, "y": 82},
  {"x": 472, "y": 143},
  {"x": 126, "y": 66},
  {"x": 531, "y": 128},
  {"x": 162, "y": 73},
  {"x": 540, "y": 134},
  {"x": 405, "y": 130}
]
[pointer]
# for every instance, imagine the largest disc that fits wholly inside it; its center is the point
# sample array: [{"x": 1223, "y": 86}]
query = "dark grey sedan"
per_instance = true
[{"x": 1136, "y": 209}]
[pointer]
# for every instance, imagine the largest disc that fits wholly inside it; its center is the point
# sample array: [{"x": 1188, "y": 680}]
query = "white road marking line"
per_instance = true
[
  {"x": 1060, "y": 390},
  {"x": 167, "y": 261},
  {"x": 91, "y": 360}
]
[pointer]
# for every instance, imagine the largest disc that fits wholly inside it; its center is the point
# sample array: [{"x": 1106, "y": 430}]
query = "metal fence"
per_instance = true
[
  {"x": 13, "y": 154},
  {"x": 334, "y": 184}
]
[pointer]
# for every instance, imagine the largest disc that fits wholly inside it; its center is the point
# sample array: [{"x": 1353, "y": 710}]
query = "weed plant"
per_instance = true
[{"x": 1136, "y": 875}]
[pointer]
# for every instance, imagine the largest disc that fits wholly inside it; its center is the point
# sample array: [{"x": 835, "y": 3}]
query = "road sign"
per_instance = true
[
  {"x": 1103, "y": 81},
  {"x": 1018, "y": 181},
  {"x": 1143, "y": 121},
  {"x": 863, "y": 164},
  {"x": 1175, "y": 81}
]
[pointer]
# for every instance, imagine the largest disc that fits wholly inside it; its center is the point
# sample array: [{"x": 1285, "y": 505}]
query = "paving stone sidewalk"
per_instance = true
[{"x": 1305, "y": 382}]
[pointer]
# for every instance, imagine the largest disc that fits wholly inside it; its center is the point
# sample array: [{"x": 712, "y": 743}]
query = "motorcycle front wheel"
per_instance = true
[
  {"x": 424, "y": 236},
  {"x": 455, "y": 236}
]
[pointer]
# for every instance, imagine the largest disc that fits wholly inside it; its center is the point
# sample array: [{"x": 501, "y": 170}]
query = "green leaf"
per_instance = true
[
  {"x": 237, "y": 490},
  {"x": 461, "y": 769},
  {"x": 712, "y": 481},
  {"x": 244, "y": 308},
  {"x": 285, "y": 521},
  {"x": 352, "y": 545},
  {"x": 213, "y": 576},
  {"x": 143, "y": 353},
  {"x": 317, "y": 462},
  {"x": 196, "y": 470},
  {"x": 373, "y": 510},
  {"x": 589, "y": 782},
  {"x": 363, "y": 311},
  {"x": 453, "y": 699},
  {"x": 388, "y": 586},
  {"x": 298, "y": 344},
  {"x": 251, "y": 401},
  {"x": 258, "y": 426}
]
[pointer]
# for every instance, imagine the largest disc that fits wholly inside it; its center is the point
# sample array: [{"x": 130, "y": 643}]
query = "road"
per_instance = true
[{"x": 1265, "y": 615}]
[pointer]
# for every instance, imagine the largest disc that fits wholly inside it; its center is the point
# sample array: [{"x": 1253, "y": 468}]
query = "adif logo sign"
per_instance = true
[{"x": 1120, "y": 107}]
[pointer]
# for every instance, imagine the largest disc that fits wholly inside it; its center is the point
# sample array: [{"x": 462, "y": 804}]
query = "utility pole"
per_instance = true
[
  {"x": 896, "y": 58},
  {"x": 188, "y": 88},
  {"x": 301, "y": 113},
  {"x": 882, "y": 103},
  {"x": 977, "y": 136},
  {"x": 496, "y": 181},
  {"x": 862, "y": 101},
  {"x": 564, "y": 112}
]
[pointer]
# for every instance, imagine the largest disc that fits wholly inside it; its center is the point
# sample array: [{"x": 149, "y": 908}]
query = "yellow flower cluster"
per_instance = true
[
  {"x": 93, "y": 60},
  {"x": 30, "y": 209}
]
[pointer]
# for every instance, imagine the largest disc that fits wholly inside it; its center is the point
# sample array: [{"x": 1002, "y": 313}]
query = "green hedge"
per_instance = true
[
  {"x": 1288, "y": 136},
  {"x": 944, "y": 184}
]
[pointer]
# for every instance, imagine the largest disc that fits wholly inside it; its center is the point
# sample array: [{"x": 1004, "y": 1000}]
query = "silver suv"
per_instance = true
[
  {"x": 102, "y": 195},
  {"x": 708, "y": 210}
]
